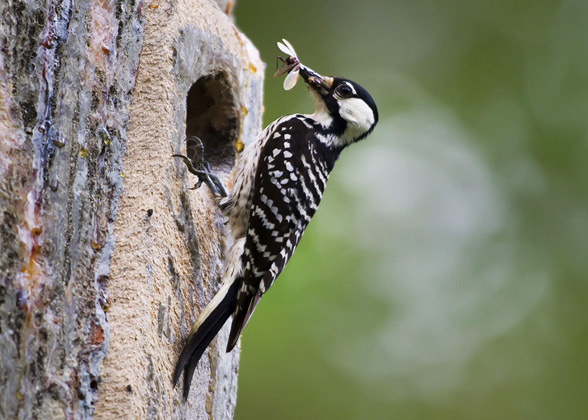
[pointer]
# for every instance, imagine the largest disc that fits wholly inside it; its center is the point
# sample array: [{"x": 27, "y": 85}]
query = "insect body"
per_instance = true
[{"x": 279, "y": 182}]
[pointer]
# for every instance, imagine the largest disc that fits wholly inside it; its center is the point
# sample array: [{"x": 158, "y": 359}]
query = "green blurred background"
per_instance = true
[{"x": 445, "y": 275}]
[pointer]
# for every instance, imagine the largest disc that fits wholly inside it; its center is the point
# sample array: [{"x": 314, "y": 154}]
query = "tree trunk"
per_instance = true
[{"x": 106, "y": 255}]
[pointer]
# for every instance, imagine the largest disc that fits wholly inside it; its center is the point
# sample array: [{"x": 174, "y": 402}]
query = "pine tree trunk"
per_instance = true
[{"x": 106, "y": 255}]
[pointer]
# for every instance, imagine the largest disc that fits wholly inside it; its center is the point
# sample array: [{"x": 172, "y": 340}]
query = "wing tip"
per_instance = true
[{"x": 233, "y": 337}]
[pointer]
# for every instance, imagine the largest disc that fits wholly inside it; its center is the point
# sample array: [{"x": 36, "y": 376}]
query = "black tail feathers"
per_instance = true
[{"x": 199, "y": 340}]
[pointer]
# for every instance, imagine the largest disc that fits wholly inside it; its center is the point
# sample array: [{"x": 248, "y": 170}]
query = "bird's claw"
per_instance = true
[{"x": 202, "y": 170}]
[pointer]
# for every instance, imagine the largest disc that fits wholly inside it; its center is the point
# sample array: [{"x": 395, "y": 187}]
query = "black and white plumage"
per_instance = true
[{"x": 279, "y": 182}]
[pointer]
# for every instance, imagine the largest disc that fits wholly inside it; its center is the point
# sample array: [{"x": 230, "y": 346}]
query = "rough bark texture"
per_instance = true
[{"x": 106, "y": 257}]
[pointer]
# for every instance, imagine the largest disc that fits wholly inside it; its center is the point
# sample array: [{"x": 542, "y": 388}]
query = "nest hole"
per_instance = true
[{"x": 212, "y": 116}]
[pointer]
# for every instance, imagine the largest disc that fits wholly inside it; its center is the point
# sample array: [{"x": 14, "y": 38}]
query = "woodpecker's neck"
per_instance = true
[
  {"x": 332, "y": 129},
  {"x": 321, "y": 113}
]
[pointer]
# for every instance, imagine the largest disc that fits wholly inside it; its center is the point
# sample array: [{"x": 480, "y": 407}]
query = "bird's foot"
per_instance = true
[{"x": 201, "y": 169}]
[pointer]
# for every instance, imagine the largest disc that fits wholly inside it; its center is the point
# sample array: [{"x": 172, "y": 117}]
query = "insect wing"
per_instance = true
[
  {"x": 286, "y": 48},
  {"x": 291, "y": 78},
  {"x": 290, "y": 47}
]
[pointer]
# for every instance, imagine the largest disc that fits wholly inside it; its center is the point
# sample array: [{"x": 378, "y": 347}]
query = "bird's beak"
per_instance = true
[{"x": 314, "y": 80}]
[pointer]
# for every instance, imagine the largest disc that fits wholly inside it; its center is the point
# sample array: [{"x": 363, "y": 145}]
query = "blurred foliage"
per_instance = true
[{"x": 445, "y": 275}]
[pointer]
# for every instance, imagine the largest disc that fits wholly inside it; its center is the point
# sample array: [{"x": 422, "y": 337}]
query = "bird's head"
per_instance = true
[
  {"x": 344, "y": 109},
  {"x": 343, "y": 106}
]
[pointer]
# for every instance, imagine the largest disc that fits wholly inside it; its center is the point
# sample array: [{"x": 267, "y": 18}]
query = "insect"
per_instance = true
[
  {"x": 291, "y": 65},
  {"x": 278, "y": 184}
]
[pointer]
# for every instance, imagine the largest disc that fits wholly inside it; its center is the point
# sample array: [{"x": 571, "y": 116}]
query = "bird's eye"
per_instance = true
[{"x": 344, "y": 91}]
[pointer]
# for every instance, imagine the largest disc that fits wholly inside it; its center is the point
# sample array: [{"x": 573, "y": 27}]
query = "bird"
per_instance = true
[{"x": 278, "y": 184}]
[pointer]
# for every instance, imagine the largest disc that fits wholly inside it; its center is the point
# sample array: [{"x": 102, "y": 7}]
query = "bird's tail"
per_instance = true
[{"x": 205, "y": 328}]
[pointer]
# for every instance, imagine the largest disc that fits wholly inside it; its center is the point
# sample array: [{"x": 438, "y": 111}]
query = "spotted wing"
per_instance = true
[{"x": 289, "y": 184}]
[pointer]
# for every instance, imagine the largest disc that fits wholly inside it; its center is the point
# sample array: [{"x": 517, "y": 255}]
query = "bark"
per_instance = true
[{"x": 106, "y": 256}]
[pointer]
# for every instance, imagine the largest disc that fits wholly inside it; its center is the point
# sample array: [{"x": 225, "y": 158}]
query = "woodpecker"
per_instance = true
[{"x": 278, "y": 185}]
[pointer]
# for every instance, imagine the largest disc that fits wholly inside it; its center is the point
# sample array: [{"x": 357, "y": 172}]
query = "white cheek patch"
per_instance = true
[{"x": 356, "y": 112}]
